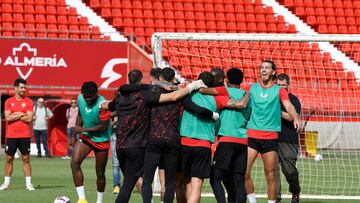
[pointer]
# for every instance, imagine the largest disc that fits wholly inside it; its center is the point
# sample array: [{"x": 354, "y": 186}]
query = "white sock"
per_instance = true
[
  {"x": 251, "y": 197},
  {"x": 99, "y": 197},
  {"x": 81, "y": 192},
  {"x": 271, "y": 201},
  {"x": 28, "y": 180},
  {"x": 7, "y": 180}
]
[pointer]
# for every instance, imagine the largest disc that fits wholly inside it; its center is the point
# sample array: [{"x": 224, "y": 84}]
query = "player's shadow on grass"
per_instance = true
[{"x": 43, "y": 187}]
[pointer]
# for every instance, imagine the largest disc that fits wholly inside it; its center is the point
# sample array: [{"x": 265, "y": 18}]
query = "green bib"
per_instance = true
[
  {"x": 233, "y": 122},
  {"x": 90, "y": 116},
  {"x": 196, "y": 127},
  {"x": 266, "y": 111}
]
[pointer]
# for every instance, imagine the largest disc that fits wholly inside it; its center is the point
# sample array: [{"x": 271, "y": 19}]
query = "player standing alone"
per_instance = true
[
  {"x": 93, "y": 125},
  {"x": 18, "y": 114},
  {"x": 264, "y": 125}
]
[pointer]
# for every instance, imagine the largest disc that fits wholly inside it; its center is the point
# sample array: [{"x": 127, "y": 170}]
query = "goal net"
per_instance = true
[{"x": 324, "y": 73}]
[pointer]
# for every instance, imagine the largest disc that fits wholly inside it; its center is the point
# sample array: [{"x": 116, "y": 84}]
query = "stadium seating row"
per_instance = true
[
  {"x": 189, "y": 15},
  {"x": 38, "y": 9},
  {"x": 322, "y": 3},
  {"x": 46, "y": 19},
  {"x": 137, "y": 25},
  {"x": 36, "y": 2},
  {"x": 197, "y": 5}
]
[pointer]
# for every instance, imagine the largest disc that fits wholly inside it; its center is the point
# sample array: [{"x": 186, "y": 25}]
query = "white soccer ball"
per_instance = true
[
  {"x": 62, "y": 199},
  {"x": 318, "y": 157}
]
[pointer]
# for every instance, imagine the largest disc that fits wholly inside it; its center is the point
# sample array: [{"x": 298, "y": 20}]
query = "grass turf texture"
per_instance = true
[{"x": 52, "y": 178}]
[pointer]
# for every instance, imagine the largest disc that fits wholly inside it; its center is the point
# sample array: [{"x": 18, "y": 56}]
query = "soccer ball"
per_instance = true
[
  {"x": 318, "y": 157},
  {"x": 62, "y": 199}
]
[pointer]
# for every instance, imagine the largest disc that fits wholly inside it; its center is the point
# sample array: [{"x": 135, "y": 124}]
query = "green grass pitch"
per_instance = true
[{"x": 52, "y": 178}]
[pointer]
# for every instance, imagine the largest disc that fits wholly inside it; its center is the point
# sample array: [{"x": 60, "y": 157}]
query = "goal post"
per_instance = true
[{"x": 324, "y": 74}]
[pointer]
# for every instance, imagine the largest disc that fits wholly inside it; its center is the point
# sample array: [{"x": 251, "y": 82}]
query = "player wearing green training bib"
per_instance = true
[
  {"x": 231, "y": 153},
  {"x": 92, "y": 124},
  {"x": 197, "y": 134},
  {"x": 264, "y": 125}
]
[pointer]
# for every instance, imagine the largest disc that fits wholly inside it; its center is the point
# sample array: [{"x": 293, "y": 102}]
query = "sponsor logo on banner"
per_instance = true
[
  {"x": 25, "y": 58},
  {"x": 109, "y": 73}
]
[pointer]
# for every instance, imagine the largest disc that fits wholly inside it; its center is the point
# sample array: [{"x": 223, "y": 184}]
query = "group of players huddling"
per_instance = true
[{"x": 173, "y": 126}]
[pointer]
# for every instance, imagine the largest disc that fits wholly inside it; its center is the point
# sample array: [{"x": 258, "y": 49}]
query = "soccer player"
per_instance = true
[
  {"x": 133, "y": 129},
  {"x": 197, "y": 134},
  {"x": 93, "y": 124},
  {"x": 288, "y": 145},
  {"x": 264, "y": 125},
  {"x": 230, "y": 157},
  {"x": 227, "y": 179},
  {"x": 164, "y": 136},
  {"x": 18, "y": 113}
]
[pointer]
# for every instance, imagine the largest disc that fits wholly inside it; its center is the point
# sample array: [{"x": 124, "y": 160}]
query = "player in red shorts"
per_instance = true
[{"x": 93, "y": 126}]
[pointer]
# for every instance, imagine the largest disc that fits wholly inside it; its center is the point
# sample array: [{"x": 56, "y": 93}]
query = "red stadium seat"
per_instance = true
[
  {"x": 137, "y": 13},
  {"x": 230, "y": 17},
  {"x": 61, "y": 10},
  {"x": 179, "y": 15},
  {"x": 229, "y": 8},
  {"x": 158, "y": 5},
  {"x": 219, "y": 8},
  {"x": 106, "y": 12},
  {"x": 158, "y": 14},
  {"x": 159, "y": 23},
  {"x": 147, "y": 5},
  {"x": 189, "y": 15},
  {"x": 220, "y": 16},
  {"x": 168, "y": 6},
  {"x": 179, "y": 6},
  {"x": 169, "y": 15},
  {"x": 137, "y": 5},
  {"x": 127, "y": 13},
  {"x": 148, "y": 14}
]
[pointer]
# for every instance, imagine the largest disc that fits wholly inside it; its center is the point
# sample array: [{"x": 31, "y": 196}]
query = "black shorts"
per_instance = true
[
  {"x": 167, "y": 150},
  {"x": 196, "y": 161},
  {"x": 95, "y": 149},
  {"x": 263, "y": 146},
  {"x": 131, "y": 160},
  {"x": 231, "y": 156},
  {"x": 12, "y": 144}
]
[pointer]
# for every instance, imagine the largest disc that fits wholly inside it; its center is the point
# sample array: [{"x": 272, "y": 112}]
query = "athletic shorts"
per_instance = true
[
  {"x": 171, "y": 150},
  {"x": 93, "y": 147},
  {"x": 263, "y": 146},
  {"x": 196, "y": 161},
  {"x": 12, "y": 144},
  {"x": 231, "y": 156},
  {"x": 131, "y": 160}
]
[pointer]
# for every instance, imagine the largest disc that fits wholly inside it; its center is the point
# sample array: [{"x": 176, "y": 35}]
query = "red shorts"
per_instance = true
[{"x": 96, "y": 146}]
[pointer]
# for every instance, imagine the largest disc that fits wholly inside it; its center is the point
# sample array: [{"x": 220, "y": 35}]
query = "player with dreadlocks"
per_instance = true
[{"x": 92, "y": 124}]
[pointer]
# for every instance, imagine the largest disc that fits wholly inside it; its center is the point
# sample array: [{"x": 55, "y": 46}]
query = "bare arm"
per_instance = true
[
  {"x": 292, "y": 112},
  {"x": 27, "y": 117},
  {"x": 239, "y": 104},
  {"x": 98, "y": 128},
  {"x": 286, "y": 116},
  {"x": 209, "y": 91},
  {"x": 174, "y": 96},
  {"x": 13, "y": 116}
]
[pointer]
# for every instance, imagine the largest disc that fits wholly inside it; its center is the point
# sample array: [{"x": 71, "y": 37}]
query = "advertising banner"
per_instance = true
[{"x": 61, "y": 63}]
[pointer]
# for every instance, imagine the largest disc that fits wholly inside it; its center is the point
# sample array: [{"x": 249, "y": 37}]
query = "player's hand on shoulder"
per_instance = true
[
  {"x": 195, "y": 85},
  {"x": 215, "y": 116}
]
